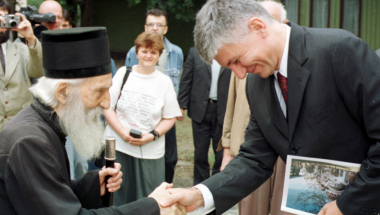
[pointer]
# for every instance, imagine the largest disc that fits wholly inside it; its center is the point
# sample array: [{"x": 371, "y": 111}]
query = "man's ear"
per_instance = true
[
  {"x": 61, "y": 92},
  {"x": 257, "y": 26},
  {"x": 166, "y": 29}
]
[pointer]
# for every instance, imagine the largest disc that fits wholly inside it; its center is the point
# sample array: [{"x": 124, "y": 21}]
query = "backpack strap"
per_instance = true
[{"x": 129, "y": 70}]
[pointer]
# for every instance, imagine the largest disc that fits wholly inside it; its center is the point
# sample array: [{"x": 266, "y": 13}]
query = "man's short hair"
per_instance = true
[
  {"x": 225, "y": 22},
  {"x": 4, "y": 5},
  {"x": 157, "y": 12},
  {"x": 152, "y": 41},
  {"x": 66, "y": 15}
]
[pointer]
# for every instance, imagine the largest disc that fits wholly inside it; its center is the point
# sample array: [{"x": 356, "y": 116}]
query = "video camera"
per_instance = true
[{"x": 31, "y": 14}]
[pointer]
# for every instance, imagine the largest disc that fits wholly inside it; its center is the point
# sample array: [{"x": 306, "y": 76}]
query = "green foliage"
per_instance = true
[
  {"x": 182, "y": 9},
  {"x": 35, "y": 3}
]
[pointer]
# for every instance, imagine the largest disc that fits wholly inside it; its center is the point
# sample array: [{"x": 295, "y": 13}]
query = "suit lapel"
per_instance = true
[
  {"x": 209, "y": 69},
  {"x": 297, "y": 75},
  {"x": 11, "y": 61}
]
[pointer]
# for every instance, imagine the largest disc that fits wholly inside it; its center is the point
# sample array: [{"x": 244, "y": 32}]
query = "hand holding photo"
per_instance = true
[{"x": 310, "y": 183}]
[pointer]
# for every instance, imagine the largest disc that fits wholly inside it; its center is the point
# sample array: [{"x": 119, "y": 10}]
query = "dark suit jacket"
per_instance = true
[
  {"x": 194, "y": 88},
  {"x": 333, "y": 113},
  {"x": 35, "y": 171}
]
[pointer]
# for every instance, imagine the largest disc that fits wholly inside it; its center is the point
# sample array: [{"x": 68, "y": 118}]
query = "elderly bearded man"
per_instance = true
[{"x": 34, "y": 169}]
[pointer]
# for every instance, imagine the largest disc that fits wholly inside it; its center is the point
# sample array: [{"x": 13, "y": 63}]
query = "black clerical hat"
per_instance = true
[{"x": 76, "y": 53}]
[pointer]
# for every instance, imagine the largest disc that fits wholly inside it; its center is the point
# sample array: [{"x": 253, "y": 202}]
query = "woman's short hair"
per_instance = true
[{"x": 152, "y": 41}]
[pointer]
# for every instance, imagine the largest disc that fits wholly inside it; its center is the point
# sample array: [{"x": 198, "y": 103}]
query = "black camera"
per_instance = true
[
  {"x": 31, "y": 14},
  {"x": 11, "y": 21},
  {"x": 135, "y": 133}
]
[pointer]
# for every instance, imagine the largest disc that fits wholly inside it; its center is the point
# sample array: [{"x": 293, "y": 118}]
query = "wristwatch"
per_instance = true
[{"x": 155, "y": 134}]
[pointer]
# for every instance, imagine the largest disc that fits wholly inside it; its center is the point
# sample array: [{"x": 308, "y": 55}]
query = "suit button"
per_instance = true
[
  {"x": 5, "y": 89},
  {"x": 6, "y": 102},
  {"x": 5, "y": 116},
  {"x": 294, "y": 150}
]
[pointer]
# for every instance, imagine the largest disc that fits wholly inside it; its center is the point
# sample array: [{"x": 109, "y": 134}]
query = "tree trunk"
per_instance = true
[{"x": 86, "y": 10}]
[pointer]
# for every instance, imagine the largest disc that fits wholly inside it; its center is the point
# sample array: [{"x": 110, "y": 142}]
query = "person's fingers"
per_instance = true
[
  {"x": 322, "y": 211},
  {"x": 117, "y": 166},
  {"x": 2, "y": 19},
  {"x": 112, "y": 187},
  {"x": 109, "y": 171},
  {"x": 165, "y": 185},
  {"x": 115, "y": 178},
  {"x": 22, "y": 17},
  {"x": 171, "y": 199}
]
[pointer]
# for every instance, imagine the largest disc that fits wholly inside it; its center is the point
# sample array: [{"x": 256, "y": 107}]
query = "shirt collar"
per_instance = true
[{"x": 284, "y": 60}]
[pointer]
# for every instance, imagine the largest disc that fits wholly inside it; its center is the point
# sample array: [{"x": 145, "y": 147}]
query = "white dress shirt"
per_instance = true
[
  {"x": 215, "y": 71},
  {"x": 209, "y": 204}
]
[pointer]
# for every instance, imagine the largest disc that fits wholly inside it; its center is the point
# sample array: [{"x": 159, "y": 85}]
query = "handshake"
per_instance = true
[{"x": 177, "y": 201}]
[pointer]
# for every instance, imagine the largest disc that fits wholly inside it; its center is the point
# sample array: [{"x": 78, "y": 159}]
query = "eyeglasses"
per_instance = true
[{"x": 153, "y": 24}]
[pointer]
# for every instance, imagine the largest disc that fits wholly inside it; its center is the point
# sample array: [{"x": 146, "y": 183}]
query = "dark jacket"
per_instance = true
[
  {"x": 35, "y": 176},
  {"x": 194, "y": 88},
  {"x": 333, "y": 113}
]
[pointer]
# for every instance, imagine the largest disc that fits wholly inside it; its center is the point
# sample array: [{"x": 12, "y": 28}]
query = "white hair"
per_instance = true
[
  {"x": 224, "y": 22},
  {"x": 282, "y": 10},
  {"x": 82, "y": 125},
  {"x": 45, "y": 88}
]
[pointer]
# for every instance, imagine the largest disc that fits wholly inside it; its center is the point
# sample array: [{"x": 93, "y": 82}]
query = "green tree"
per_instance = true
[{"x": 81, "y": 10}]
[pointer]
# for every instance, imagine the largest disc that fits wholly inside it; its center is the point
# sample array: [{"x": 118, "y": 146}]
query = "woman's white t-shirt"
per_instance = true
[{"x": 143, "y": 102}]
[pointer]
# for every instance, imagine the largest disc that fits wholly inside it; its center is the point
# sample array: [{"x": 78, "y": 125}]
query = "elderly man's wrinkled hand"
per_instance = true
[
  {"x": 161, "y": 193},
  {"x": 114, "y": 182}
]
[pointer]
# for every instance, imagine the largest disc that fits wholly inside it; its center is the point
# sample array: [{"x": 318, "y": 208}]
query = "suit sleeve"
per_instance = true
[
  {"x": 357, "y": 74},
  {"x": 35, "y": 69},
  {"x": 255, "y": 161},
  {"x": 35, "y": 184},
  {"x": 186, "y": 81}
]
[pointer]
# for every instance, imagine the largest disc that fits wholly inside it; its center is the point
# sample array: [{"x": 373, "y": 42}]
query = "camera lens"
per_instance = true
[{"x": 12, "y": 23}]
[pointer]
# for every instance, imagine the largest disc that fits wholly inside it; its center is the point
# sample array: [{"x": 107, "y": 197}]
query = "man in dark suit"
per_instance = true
[
  {"x": 314, "y": 93},
  {"x": 203, "y": 90}
]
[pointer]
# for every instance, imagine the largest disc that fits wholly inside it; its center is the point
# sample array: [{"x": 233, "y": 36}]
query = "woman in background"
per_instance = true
[{"x": 146, "y": 103}]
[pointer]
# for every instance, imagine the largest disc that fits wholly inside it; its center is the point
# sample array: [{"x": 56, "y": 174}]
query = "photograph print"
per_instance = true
[{"x": 310, "y": 183}]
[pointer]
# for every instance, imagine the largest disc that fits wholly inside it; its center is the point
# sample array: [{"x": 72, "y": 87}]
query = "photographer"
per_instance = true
[
  {"x": 55, "y": 8},
  {"x": 19, "y": 62}
]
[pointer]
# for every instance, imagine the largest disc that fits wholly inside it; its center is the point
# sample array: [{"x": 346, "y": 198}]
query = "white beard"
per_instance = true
[{"x": 83, "y": 126}]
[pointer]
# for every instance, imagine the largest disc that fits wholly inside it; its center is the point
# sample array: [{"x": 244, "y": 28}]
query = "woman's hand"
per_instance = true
[
  {"x": 125, "y": 135},
  {"x": 146, "y": 138}
]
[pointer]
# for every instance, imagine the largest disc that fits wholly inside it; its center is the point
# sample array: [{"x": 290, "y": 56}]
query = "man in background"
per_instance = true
[
  {"x": 203, "y": 92},
  {"x": 66, "y": 20},
  {"x": 56, "y": 9},
  {"x": 19, "y": 63},
  {"x": 169, "y": 63}
]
